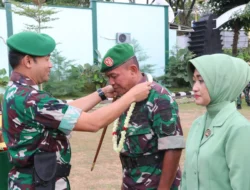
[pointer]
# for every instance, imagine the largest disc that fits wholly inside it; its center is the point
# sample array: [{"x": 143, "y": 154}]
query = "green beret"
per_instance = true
[
  {"x": 32, "y": 43},
  {"x": 116, "y": 56}
]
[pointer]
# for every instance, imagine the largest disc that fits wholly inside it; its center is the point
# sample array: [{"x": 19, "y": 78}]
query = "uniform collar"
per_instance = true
[
  {"x": 22, "y": 80},
  {"x": 218, "y": 121},
  {"x": 144, "y": 78},
  {"x": 223, "y": 114}
]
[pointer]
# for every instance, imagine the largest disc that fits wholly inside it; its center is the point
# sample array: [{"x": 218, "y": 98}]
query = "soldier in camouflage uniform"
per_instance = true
[
  {"x": 35, "y": 124},
  {"x": 246, "y": 93},
  {"x": 247, "y": 90},
  {"x": 154, "y": 139}
]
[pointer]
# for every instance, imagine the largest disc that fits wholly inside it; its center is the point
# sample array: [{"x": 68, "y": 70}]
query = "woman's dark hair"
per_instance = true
[
  {"x": 192, "y": 68},
  {"x": 15, "y": 58}
]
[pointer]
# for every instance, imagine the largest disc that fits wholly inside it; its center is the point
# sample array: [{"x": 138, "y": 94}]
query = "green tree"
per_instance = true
[
  {"x": 238, "y": 21},
  {"x": 65, "y": 78},
  {"x": 3, "y": 82},
  {"x": 147, "y": 68},
  {"x": 183, "y": 9},
  {"x": 203, "y": 8},
  {"x": 242, "y": 53},
  {"x": 60, "y": 66},
  {"x": 141, "y": 56},
  {"x": 75, "y": 3},
  {"x": 140, "y": 53},
  {"x": 92, "y": 77},
  {"x": 176, "y": 70},
  {"x": 39, "y": 13},
  {"x": 3, "y": 78}
]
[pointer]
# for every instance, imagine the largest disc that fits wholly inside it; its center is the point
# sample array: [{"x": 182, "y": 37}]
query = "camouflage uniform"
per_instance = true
[
  {"x": 33, "y": 122},
  {"x": 154, "y": 126},
  {"x": 246, "y": 93}
]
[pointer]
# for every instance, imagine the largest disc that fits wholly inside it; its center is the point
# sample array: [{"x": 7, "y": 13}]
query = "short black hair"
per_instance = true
[
  {"x": 133, "y": 60},
  {"x": 15, "y": 58}
]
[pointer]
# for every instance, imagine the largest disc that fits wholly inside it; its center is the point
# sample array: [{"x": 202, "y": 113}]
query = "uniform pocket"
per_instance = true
[{"x": 138, "y": 139}]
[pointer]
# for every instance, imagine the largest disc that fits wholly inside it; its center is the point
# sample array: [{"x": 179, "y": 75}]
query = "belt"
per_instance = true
[
  {"x": 147, "y": 160},
  {"x": 62, "y": 170}
]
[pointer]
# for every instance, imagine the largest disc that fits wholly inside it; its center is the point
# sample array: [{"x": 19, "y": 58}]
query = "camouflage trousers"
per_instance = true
[{"x": 246, "y": 93}]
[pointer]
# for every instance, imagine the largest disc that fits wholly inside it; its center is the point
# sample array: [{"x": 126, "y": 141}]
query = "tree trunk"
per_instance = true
[
  {"x": 189, "y": 12},
  {"x": 235, "y": 39}
]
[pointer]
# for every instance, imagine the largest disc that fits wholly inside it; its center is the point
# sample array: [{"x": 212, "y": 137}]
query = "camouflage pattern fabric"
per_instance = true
[
  {"x": 238, "y": 101},
  {"x": 154, "y": 126},
  {"x": 246, "y": 93},
  {"x": 33, "y": 121}
]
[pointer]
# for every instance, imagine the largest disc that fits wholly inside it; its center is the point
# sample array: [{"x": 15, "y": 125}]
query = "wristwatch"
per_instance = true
[{"x": 101, "y": 94}]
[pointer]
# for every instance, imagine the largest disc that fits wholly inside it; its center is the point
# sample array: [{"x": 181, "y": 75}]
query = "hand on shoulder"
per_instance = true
[{"x": 140, "y": 91}]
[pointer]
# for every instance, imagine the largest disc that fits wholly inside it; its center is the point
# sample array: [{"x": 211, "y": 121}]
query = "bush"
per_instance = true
[
  {"x": 176, "y": 70},
  {"x": 72, "y": 85},
  {"x": 65, "y": 78},
  {"x": 92, "y": 77},
  {"x": 243, "y": 53},
  {"x": 68, "y": 80},
  {"x": 142, "y": 56},
  {"x": 3, "y": 79}
]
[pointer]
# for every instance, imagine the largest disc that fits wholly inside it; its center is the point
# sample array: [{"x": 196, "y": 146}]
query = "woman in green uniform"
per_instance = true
[{"x": 217, "y": 150}]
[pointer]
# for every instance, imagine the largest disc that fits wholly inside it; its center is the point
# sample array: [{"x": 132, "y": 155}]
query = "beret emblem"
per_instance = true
[{"x": 109, "y": 61}]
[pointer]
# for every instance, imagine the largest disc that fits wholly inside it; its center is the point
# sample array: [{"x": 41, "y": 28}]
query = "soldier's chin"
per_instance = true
[
  {"x": 46, "y": 80},
  {"x": 119, "y": 92},
  {"x": 122, "y": 93}
]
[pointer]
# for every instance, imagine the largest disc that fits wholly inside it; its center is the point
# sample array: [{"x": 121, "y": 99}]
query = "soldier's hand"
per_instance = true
[
  {"x": 109, "y": 91},
  {"x": 1, "y": 136},
  {"x": 140, "y": 91}
]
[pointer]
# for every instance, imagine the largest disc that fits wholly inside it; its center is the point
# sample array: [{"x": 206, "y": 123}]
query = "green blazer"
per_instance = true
[{"x": 221, "y": 159}]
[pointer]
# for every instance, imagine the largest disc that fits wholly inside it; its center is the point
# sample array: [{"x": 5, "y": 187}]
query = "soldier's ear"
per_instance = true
[
  {"x": 133, "y": 68},
  {"x": 27, "y": 61}
]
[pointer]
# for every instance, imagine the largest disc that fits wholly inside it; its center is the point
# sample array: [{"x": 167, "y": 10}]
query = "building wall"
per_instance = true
[
  {"x": 3, "y": 47},
  {"x": 227, "y": 39},
  {"x": 74, "y": 33},
  {"x": 226, "y": 36},
  {"x": 182, "y": 41},
  {"x": 144, "y": 28},
  {"x": 173, "y": 38}
]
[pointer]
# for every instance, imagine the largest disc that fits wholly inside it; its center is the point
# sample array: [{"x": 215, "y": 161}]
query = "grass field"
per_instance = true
[{"x": 107, "y": 172}]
